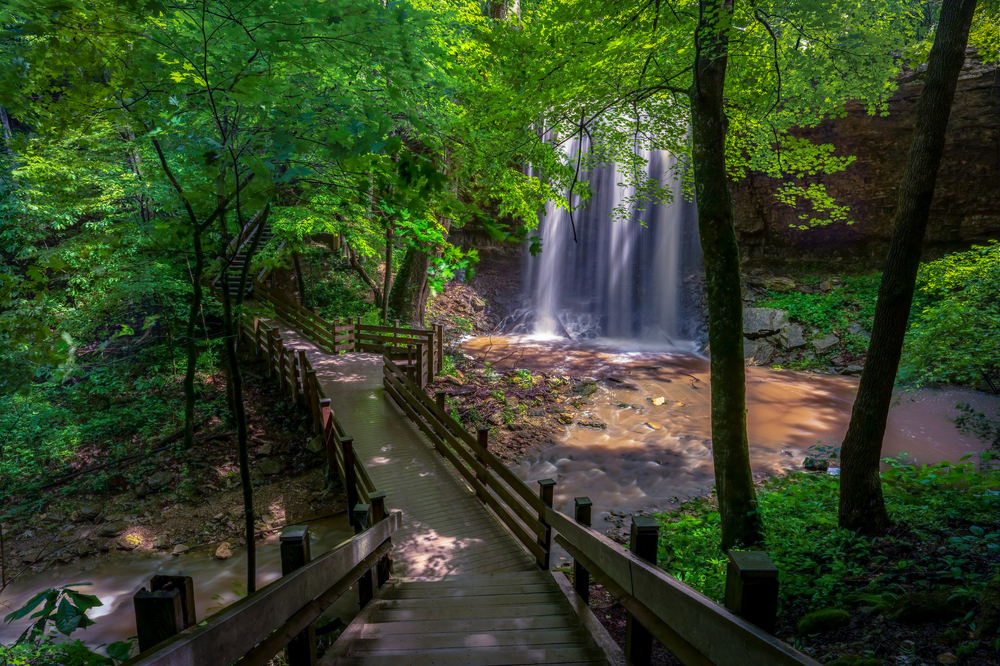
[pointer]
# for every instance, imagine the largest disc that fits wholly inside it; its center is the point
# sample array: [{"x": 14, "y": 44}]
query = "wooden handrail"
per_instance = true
[
  {"x": 231, "y": 633},
  {"x": 514, "y": 504},
  {"x": 680, "y": 617}
]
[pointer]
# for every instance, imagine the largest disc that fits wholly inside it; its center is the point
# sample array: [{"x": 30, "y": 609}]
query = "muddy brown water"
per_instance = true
[
  {"x": 656, "y": 456},
  {"x": 115, "y": 580},
  {"x": 649, "y": 457}
]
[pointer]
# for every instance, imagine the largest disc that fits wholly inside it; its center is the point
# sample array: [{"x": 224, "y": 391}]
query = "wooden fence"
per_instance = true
[
  {"x": 296, "y": 376},
  {"x": 420, "y": 351},
  {"x": 253, "y": 630},
  {"x": 694, "y": 628}
]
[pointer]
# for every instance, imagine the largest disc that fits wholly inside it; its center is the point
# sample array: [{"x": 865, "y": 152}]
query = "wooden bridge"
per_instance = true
[{"x": 451, "y": 557}]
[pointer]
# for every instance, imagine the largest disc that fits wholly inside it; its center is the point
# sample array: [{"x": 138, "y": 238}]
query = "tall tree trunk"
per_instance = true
[
  {"x": 409, "y": 289},
  {"x": 300, "y": 281},
  {"x": 862, "y": 507},
  {"x": 733, "y": 479},
  {"x": 388, "y": 273},
  {"x": 7, "y": 136},
  {"x": 192, "y": 344},
  {"x": 236, "y": 381}
]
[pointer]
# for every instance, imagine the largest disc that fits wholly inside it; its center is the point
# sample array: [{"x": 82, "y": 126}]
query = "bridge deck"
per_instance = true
[{"x": 468, "y": 593}]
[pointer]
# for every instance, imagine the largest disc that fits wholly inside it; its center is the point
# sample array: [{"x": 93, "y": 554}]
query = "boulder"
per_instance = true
[
  {"x": 947, "y": 658},
  {"x": 790, "y": 336},
  {"x": 779, "y": 283},
  {"x": 565, "y": 419},
  {"x": 853, "y": 370},
  {"x": 478, "y": 304},
  {"x": 827, "y": 341},
  {"x": 759, "y": 352},
  {"x": 270, "y": 466},
  {"x": 83, "y": 548},
  {"x": 599, "y": 425},
  {"x": 180, "y": 549},
  {"x": 265, "y": 450},
  {"x": 109, "y": 530},
  {"x": 824, "y": 620},
  {"x": 161, "y": 541},
  {"x": 316, "y": 445},
  {"x": 91, "y": 511},
  {"x": 129, "y": 542},
  {"x": 761, "y": 322},
  {"x": 160, "y": 480},
  {"x": 825, "y": 286},
  {"x": 141, "y": 490},
  {"x": 224, "y": 551}
]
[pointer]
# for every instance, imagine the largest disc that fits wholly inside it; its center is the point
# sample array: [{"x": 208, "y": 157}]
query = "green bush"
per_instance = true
[
  {"x": 952, "y": 505},
  {"x": 955, "y": 322}
]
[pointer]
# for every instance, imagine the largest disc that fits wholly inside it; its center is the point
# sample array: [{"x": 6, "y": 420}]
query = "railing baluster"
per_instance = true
[
  {"x": 752, "y": 588},
  {"x": 366, "y": 584},
  {"x": 546, "y": 489},
  {"x": 581, "y": 577},
  {"x": 295, "y": 554},
  {"x": 643, "y": 542},
  {"x": 350, "y": 474},
  {"x": 165, "y": 610},
  {"x": 383, "y": 570}
]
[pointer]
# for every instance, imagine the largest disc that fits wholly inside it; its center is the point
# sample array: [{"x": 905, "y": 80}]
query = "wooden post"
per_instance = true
[
  {"x": 303, "y": 364},
  {"x": 272, "y": 333},
  {"x": 752, "y": 588},
  {"x": 350, "y": 474},
  {"x": 483, "y": 437},
  {"x": 280, "y": 352},
  {"x": 440, "y": 347},
  {"x": 256, "y": 337},
  {"x": 440, "y": 400},
  {"x": 420, "y": 382},
  {"x": 165, "y": 610},
  {"x": 383, "y": 569},
  {"x": 546, "y": 488},
  {"x": 366, "y": 584},
  {"x": 643, "y": 542},
  {"x": 329, "y": 439},
  {"x": 294, "y": 548},
  {"x": 581, "y": 577},
  {"x": 314, "y": 401},
  {"x": 293, "y": 375}
]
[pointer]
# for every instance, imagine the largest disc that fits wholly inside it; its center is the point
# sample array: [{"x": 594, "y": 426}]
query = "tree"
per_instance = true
[
  {"x": 741, "y": 525},
  {"x": 862, "y": 507}
]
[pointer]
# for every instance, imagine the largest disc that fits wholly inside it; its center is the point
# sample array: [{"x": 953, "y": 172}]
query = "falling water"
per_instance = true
[{"x": 619, "y": 279}]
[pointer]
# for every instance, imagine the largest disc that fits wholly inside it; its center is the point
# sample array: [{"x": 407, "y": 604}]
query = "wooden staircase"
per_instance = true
[
  {"x": 240, "y": 248},
  {"x": 502, "y": 619}
]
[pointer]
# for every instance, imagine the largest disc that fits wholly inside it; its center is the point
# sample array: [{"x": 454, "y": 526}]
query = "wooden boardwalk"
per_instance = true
[{"x": 465, "y": 592}]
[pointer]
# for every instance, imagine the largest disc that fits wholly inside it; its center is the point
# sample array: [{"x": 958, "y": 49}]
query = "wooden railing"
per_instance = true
[
  {"x": 296, "y": 376},
  {"x": 694, "y": 628},
  {"x": 253, "y": 630},
  {"x": 510, "y": 498},
  {"x": 420, "y": 351}
]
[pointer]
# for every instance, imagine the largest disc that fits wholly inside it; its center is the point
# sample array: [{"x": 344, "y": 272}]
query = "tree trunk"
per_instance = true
[
  {"x": 236, "y": 381},
  {"x": 733, "y": 479},
  {"x": 7, "y": 136},
  {"x": 388, "y": 273},
  {"x": 409, "y": 290},
  {"x": 300, "y": 281},
  {"x": 192, "y": 344},
  {"x": 862, "y": 507}
]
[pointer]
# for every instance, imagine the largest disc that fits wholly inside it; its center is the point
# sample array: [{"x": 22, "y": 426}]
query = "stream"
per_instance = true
[
  {"x": 657, "y": 456},
  {"x": 651, "y": 456},
  {"x": 116, "y": 580}
]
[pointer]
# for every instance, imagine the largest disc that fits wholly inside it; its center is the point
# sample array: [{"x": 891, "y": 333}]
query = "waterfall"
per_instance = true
[{"x": 622, "y": 279}]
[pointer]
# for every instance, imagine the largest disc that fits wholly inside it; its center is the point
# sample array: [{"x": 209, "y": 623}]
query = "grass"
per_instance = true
[{"x": 943, "y": 554}]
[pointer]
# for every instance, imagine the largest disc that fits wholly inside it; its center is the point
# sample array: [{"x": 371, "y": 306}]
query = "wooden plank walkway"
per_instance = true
[{"x": 467, "y": 593}]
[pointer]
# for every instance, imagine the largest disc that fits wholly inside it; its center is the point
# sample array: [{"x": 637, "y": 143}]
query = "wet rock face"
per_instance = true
[{"x": 965, "y": 206}]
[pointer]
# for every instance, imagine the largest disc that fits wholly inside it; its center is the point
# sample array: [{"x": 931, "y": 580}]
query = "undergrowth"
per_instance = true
[{"x": 946, "y": 523}]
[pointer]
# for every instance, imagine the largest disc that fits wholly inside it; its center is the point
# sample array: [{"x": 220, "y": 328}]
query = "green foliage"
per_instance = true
[
  {"x": 823, "y": 620},
  {"x": 949, "y": 504},
  {"x": 66, "y": 610},
  {"x": 979, "y": 425},
  {"x": 955, "y": 321},
  {"x": 854, "y": 300}
]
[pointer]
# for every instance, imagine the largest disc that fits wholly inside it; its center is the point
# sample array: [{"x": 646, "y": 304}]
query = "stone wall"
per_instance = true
[{"x": 966, "y": 203}]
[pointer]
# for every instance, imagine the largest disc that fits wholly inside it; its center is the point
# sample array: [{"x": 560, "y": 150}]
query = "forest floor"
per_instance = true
[{"x": 176, "y": 499}]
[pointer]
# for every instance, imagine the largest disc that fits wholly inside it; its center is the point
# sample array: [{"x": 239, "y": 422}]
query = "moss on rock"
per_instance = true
[{"x": 824, "y": 620}]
